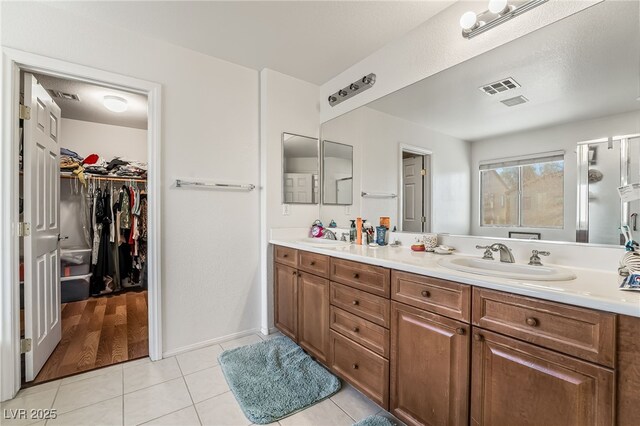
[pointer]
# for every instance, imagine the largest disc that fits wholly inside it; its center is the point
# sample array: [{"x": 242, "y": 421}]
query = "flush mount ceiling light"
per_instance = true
[
  {"x": 498, "y": 12},
  {"x": 115, "y": 103}
]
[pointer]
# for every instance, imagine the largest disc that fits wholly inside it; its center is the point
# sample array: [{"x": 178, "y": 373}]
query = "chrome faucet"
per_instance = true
[
  {"x": 329, "y": 235},
  {"x": 505, "y": 252}
]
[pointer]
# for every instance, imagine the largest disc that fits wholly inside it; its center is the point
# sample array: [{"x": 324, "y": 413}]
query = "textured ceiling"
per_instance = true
[
  {"x": 310, "y": 40},
  {"x": 90, "y": 106},
  {"x": 582, "y": 67}
]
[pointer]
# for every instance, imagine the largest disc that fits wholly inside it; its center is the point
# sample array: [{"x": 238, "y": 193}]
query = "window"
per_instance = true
[{"x": 526, "y": 192}]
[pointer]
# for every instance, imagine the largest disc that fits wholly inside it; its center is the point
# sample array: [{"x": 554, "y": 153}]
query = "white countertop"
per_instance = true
[{"x": 594, "y": 289}]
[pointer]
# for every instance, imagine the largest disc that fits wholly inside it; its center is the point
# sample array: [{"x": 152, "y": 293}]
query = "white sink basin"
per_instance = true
[
  {"x": 322, "y": 243},
  {"x": 512, "y": 271}
]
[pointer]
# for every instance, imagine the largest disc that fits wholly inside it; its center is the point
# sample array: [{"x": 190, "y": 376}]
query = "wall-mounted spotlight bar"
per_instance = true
[
  {"x": 499, "y": 11},
  {"x": 353, "y": 89}
]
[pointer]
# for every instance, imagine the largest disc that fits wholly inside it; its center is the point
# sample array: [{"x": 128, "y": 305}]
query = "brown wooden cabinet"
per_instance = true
[
  {"x": 313, "y": 315},
  {"x": 429, "y": 367},
  {"x": 286, "y": 300},
  {"x": 445, "y": 353},
  {"x": 518, "y": 383}
]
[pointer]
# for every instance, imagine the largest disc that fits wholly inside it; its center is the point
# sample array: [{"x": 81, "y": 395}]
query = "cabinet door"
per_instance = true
[
  {"x": 286, "y": 300},
  {"x": 313, "y": 315},
  {"x": 516, "y": 383},
  {"x": 429, "y": 367}
]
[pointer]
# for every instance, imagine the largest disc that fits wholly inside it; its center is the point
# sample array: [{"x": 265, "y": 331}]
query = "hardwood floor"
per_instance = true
[{"x": 98, "y": 332}]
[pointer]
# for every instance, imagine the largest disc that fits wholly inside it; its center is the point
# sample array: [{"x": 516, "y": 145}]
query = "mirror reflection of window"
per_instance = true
[
  {"x": 523, "y": 193},
  {"x": 337, "y": 173},
  {"x": 300, "y": 169}
]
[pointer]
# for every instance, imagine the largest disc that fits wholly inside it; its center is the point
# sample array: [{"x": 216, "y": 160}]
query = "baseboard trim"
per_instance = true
[{"x": 205, "y": 343}]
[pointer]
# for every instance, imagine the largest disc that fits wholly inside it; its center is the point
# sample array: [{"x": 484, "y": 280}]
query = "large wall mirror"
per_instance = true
[
  {"x": 337, "y": 173},
  {"x": 300, "y": 169},
  {"x": 528, "y": 140}
]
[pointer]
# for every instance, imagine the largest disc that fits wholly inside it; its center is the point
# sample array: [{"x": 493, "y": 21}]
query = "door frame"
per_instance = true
[
  {"x": 13, "y": 62},
  {"x": 427, "y": 183}
]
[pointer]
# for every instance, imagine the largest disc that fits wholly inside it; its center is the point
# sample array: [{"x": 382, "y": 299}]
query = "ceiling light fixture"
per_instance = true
[
  {"x": 499, "y": 11},
  {"x": 115, "y": 103}
]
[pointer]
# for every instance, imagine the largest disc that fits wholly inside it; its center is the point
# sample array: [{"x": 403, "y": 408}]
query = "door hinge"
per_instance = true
[
  {"x": 424, "y": 219},
  {"x": 25, "y": 346},
  {"x": 25, "y": 112},
  {"x": 423, "y": 172},
  {"x": 24, "y": 229}
]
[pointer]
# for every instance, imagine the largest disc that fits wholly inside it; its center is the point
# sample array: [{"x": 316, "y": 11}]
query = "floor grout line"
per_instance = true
[
  {"x": 339, "y": 407},
  {"x": 193, "y": 403}
]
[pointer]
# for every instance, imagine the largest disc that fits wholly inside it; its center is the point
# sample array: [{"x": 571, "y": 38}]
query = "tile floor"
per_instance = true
[{"x": 188, "y": 389}]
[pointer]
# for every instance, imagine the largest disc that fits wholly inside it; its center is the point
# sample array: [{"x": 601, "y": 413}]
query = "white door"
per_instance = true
[
  {"x": 41, "y": 154},
  {"x": 298, "y": 188},
  {"x": 412, "y": 192}
]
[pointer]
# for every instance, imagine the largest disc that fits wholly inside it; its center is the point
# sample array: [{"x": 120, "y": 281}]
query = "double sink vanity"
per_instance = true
[{"x": 435, "y": 344}]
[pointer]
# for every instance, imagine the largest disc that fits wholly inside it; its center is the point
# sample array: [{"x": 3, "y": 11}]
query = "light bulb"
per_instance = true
[
  {"x": 469, "y": 21},
  {"x": 115, "y": 103},
  {"x": 497, "y": 7}
]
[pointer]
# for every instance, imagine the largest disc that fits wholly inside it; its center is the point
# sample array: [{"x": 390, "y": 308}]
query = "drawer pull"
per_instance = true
[
  {"x": 478, "y": 337},
  {"x": 356, "y": 275},
  {"x": 354, "y": 366},
  {"x": 356, "y": 302},
  {"x": 425, "y": 293},
  {"x": 460, "y": 331},
  {"x": 532, "y": 322},
  {"x": 356, "y": 330},
  {"x": 312, "y": 263},
  {"x": 285, "y": 255}
]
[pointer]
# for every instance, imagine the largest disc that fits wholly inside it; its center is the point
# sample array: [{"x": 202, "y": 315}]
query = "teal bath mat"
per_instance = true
[
  {"x": 375, "y": 421},
  {"x": 275, "y": 378}
]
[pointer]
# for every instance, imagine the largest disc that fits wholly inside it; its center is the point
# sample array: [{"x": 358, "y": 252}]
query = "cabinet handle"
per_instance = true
[
  {"x": 425, "y": 293},
  {"x": 355, "y": 302},
  {"x": 313, "y": 262},
  {"x": 285, "y": 255},
  {"x": 532, "y": 322},
  {"x": 460, "y": 331},
  {"x": 356, "y": 275},
  {"x": 299, "y": 274},
  {"x": 356, "y": 330},
  {"x": 295, "y": 273},
  {"x": 354, "y": 366},
  {"x": 478, "y": 337}
]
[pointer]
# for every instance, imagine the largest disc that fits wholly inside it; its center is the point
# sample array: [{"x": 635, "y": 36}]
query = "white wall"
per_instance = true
[
  {"x": 561, "y": 137},
  {"x": 435, "y": 46},
  {"x": 288, "y": 105},
  {"x": 210, "y": 256},
  {"x": 107, "y": 141},
  {"x": 376, "y": 137}
]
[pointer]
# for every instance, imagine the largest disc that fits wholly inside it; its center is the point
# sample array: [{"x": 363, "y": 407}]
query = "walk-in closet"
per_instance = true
[{"x": 83, "y": 184}]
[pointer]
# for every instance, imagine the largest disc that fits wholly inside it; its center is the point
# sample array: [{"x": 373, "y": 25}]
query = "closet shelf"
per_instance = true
[{"x": 66, "y": 175}]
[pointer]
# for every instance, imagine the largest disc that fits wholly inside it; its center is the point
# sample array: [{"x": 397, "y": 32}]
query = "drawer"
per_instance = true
[
  {"x": 580, "y": 332},
  {"x": 373, "y": 279},
  {"x": 446, "y": 298},
  {"x": 366, "y": 333},
  {"x": 286, "y": 256},
  {"x": 314, "y": 263},
  {"x": 365, "y": 370},
  {"x": 363, "y": 304}
]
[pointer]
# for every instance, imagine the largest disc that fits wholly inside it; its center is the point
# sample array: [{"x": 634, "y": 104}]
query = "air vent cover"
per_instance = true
[
  {"x": 500, "y": 86},
  {"x": 515, "y": 101},
  {"x": 63, "y": 95}
]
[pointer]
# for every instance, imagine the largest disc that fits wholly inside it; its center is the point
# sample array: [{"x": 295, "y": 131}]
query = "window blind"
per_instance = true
[{"x": 525, "y": 160}]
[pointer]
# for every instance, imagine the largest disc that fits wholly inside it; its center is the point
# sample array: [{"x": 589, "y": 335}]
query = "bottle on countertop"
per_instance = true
[{"x": 352, "y": 231}]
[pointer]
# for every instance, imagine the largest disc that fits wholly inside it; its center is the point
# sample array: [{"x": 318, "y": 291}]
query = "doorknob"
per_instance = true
[{"x": 60, "y": 238}]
